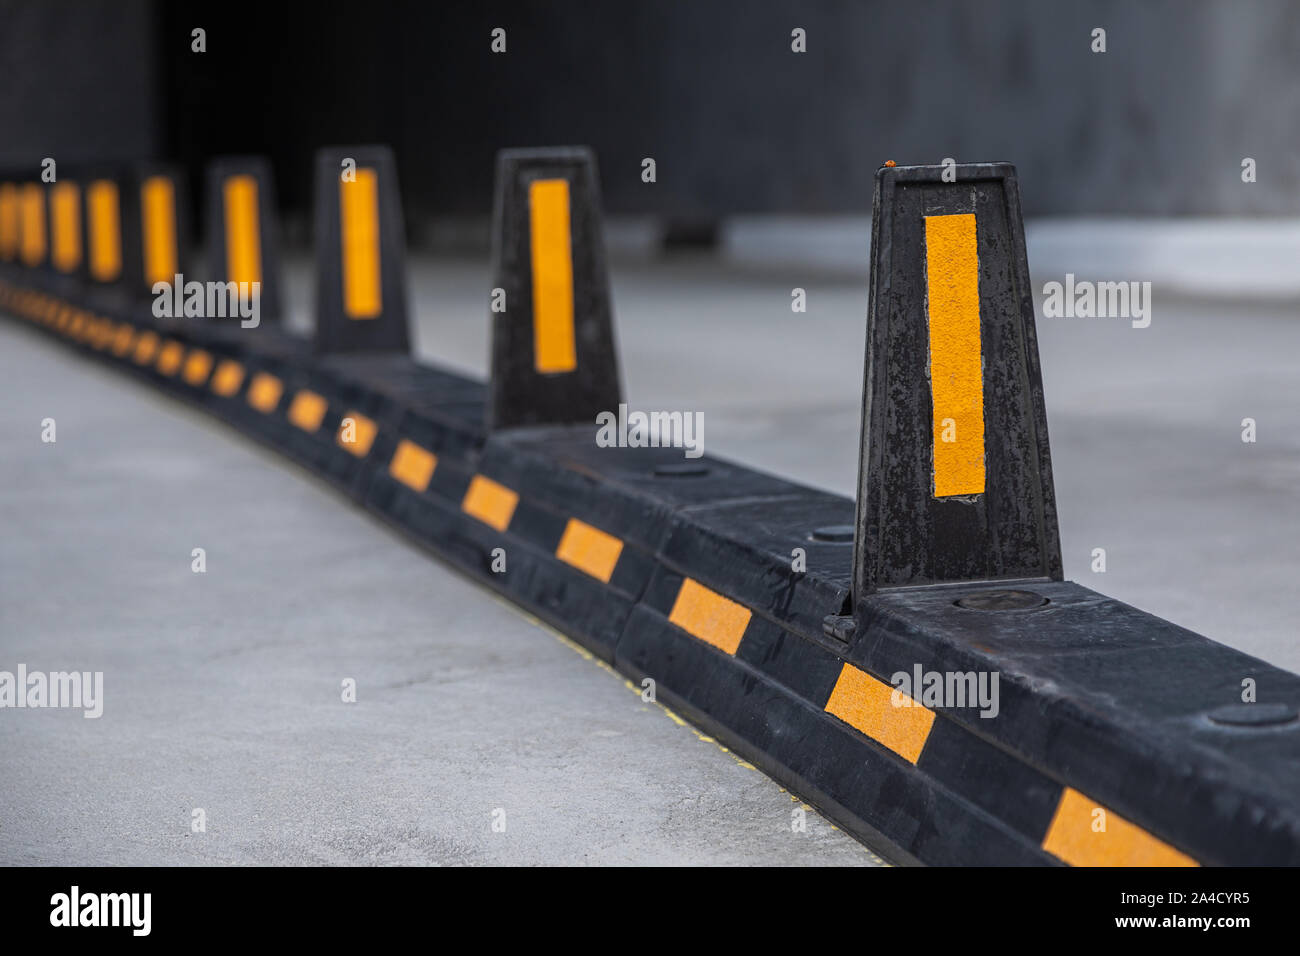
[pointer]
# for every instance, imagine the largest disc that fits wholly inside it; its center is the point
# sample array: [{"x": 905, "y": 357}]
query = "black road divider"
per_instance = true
[{"x": 914, "y": 665}]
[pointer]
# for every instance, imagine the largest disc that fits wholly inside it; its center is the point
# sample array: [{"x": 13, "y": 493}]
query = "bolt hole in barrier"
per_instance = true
[
  {"x": 1255, "y": 715},
  {"x": 833, "y": 534},
  {"x": 684, "y": 469},
  {"x": 1002, "y": 601}
]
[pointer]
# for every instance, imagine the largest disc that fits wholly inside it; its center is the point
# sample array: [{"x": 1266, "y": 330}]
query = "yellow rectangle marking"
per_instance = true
[
  {"x": 33, "y": 229},
  {"x": 101, "y": 333},
  {"x": 867, "y": 705},
  {"x": 359, "y": 230},
  {"x": 65, "y": 222},
  {"x": 146, "y": 348},
  {"x": 554, "y": 348},
  {"x": 228, "y": 378},
  {"x": 123, "y": 339},
  {"x": 589, "y": 549},
  {"x": 264, "y": 392},
  {"x": 356, "y": 433},
  {"x": 1072, "y": 837},
  {"x": 243, "y": 241},
  {"x": 197, "y": 367},
  {"x": 490, "y": 502},
  {"x": 104, "y": 227},
  {"x": 8, "y": 222},
  {"x": 158, "y": 213},
  {"x": 709, "y": 616},
  {"x": 956, "y": 368},
  {"x": 412, "y": 465},
  {"x": 307, "y": 410},
  {"x": 169, "y": 358}
]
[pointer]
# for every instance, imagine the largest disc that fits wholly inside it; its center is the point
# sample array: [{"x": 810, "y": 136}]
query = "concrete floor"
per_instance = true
[{"x": 222, "y": 689}]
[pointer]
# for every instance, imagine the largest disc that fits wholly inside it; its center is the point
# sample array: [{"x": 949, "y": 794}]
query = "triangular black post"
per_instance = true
[
  {"x": 955, "y": 475},
  {"x": 553, "y": 354},
  {"x": 360, "y": 252}
]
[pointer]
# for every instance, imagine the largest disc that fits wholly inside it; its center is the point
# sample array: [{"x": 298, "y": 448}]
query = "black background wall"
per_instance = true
[{"x": 709, "y": 88}]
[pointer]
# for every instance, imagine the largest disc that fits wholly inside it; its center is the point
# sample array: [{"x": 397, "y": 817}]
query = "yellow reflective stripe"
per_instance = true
[
  {"x": 33, "y": 229},
  {"x": 359, "y": 234},
  {"x": 105, "y": 229},
  {"x": 554, "y": 348},
  {"x": 1084, "y": 833},
  {"x": 243, "y": 240},
  {"x": 490, "y": 502},
  {"x": 123, "y": 339},
  {"x": 8, "y": 221},
  {"x": 197, "y": 367},
  {"x": 880, "y": 711},
  {"x": 307, "y": 410},
  {"x": 146, "y": 348},
  {"x": 76, "y": 324},
  {"x": 412, "y": 465},
  {"x": 158, "y": 206},
  {"x": 169, "y": 358},
  {"x": 104, "y": 330},
  {"x": 709, "y": 616},
  {"x": 956, "y": 370},
  {"x": 65, "y": 220},
  {"x": 228, "y": 378},
  {"x": 264, "y": 392},
  {"x": 589, "y": 549},
  {"x": 356, "y": 433}
]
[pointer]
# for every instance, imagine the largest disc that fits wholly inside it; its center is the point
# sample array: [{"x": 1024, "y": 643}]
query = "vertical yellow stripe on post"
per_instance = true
[
  {"x": 158, "y": 205},
  {"x": 8, "y": 222},
  {"x": 554, "y": 349},
  {"x": 956, "y": 369},
  {"x": 359, "y": 230},
  {"x": 65, "y": 222},
  {"x": 243, "y": 241},
  {"x": 33, "y": 233},
  {"x": 105, "y": 230}
]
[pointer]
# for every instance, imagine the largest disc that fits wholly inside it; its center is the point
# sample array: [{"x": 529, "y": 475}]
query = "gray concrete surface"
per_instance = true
[
  {"x": 223, "y": 692},
  {"x": 223, "y": 689}
]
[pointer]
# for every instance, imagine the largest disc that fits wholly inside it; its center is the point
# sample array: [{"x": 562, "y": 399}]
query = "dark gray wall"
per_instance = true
[
  {"x": 77, "y": 81},
  {"x": 737, "y": 123}
]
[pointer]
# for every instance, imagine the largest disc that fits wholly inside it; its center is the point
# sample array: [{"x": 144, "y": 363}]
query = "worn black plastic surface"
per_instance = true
[
  {"x": 908, "y": 536},
  {"x": 521, "y": 395},
  {"x": 335, "y": 330}
]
